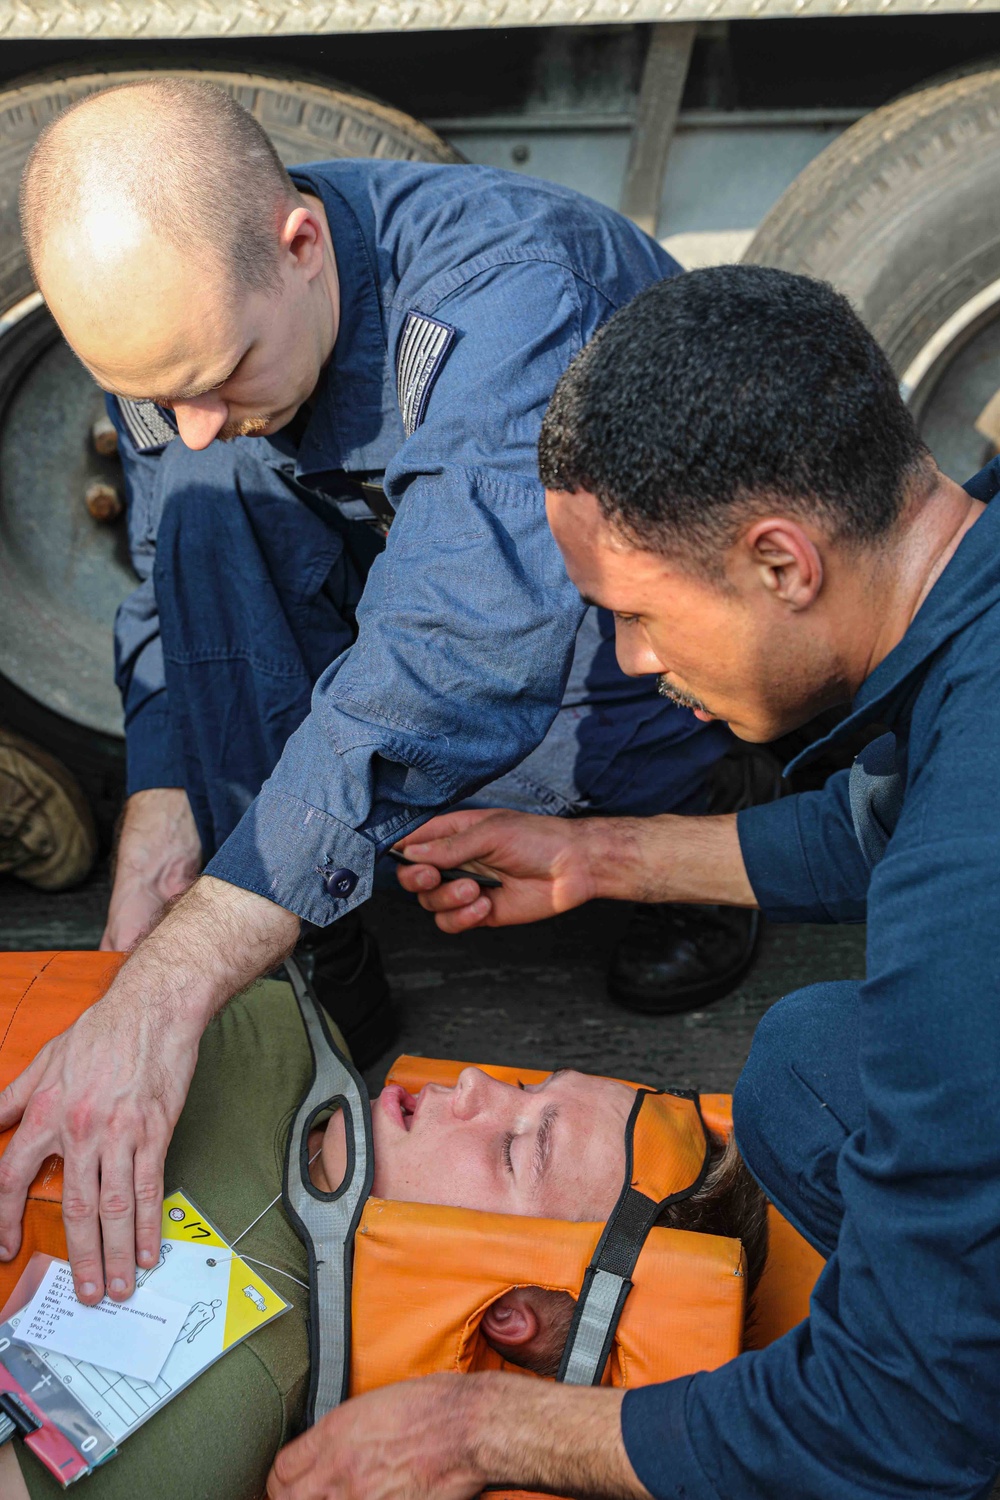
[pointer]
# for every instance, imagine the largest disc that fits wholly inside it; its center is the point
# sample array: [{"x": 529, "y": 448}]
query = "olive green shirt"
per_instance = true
[{"x": 218, "y": 1438}]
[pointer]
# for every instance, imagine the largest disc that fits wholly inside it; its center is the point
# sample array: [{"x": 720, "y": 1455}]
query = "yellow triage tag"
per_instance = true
[
  {"x": 223, "y": 1299},
  {"x": 229, "y": 1299}
]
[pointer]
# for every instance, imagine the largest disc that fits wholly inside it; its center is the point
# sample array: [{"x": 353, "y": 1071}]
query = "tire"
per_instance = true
[
  {"x": 900, "y": 214},
  {"x": 61, "y": 574}
]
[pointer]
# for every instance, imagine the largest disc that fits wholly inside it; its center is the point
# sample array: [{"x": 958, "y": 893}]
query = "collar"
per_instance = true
[
  {"x": 355, "y": 423},
  {"x": 968, "y": 588}
]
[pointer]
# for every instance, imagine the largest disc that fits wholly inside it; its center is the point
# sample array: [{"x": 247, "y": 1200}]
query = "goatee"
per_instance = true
[{"x": 246, "y": 427}]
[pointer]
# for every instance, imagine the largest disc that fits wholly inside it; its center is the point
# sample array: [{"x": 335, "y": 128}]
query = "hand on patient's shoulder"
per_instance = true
[
  {"x": 448, "y": 1436},
  {"x": 107, "y": 1093},
  {"x": 403, "y": 1442}
]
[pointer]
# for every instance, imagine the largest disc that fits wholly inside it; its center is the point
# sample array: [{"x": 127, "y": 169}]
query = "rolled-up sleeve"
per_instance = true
[
  {"x": 150, "y": 757},
  {"x": 467, "y": 623},
  {"x": 802, "y": 856}
]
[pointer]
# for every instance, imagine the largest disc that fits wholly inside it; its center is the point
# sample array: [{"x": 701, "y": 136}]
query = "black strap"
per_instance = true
[
  {"x": 378, "y": 504},
  {"x": 354, "y": 493},
  {"x": 607, "y": 1282}
]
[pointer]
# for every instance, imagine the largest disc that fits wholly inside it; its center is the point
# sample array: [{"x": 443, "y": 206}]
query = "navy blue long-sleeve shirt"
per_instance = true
[
  {"x": 891, "y": 1387},
  {"x": 468, "y": 621}
]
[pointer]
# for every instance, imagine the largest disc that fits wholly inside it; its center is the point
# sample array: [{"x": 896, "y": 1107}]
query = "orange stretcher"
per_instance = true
[{"x": 423, "y": 1276}]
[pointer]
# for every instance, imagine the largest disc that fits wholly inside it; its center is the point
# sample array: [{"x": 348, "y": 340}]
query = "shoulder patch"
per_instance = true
[
  {"x": 148, "y": 425},
  {"x": 422, "y": 350}
]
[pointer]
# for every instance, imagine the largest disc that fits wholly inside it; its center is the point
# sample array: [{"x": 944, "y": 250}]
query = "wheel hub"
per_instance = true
[
  {"x": 62, "y": 573},
  {"x": 952, "y": 381}
]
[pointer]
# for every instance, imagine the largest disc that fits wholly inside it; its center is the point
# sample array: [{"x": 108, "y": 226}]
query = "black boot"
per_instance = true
[
  {"x": 344, "y": 966},
  {"x": 673, "y": 958}
]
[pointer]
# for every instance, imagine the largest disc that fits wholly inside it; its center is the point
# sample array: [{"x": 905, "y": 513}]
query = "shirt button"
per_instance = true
[{"x": 340, "y": 882}]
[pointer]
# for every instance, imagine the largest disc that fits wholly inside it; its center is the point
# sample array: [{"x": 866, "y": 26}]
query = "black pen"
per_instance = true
[{"x": 484, "y": 880}]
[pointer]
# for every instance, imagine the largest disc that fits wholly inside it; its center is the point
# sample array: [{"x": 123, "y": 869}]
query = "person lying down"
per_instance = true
[{"x": 553, "y": 1150}]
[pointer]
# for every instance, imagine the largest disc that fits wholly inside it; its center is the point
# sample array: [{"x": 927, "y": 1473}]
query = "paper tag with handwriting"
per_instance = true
[{"x": 132, "y": 1338}]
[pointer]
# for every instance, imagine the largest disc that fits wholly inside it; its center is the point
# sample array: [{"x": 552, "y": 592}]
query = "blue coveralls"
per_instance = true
[
  {"x": 459, "y": 652},
  {"x": 869, "y": 1112}
]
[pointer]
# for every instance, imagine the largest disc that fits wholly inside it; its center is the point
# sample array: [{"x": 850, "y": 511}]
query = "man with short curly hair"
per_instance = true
[{"x": 732, "y": 471}]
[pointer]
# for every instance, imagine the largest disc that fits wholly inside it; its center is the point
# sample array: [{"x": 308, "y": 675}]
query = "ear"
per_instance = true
[
  {"x": 511, "y": 1320},
  {"x": 301, "y": 237},
  {"x": 785, "y": 559}
]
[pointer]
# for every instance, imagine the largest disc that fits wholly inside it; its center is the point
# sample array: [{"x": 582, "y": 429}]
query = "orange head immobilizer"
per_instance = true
[{"x": 652, "y": 1303}]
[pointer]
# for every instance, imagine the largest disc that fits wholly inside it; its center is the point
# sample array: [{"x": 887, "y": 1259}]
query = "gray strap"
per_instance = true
[
  {"x": 597, "y": 1317},
  {"x": 327, "y": 1222}
]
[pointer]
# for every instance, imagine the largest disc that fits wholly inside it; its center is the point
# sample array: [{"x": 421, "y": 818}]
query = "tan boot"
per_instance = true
[{"x": 47, "y": 835}]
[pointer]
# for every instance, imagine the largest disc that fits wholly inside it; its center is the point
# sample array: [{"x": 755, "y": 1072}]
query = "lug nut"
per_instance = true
[
  {"x": 103, "y": 502},
  {"x": 104, "y": 437}
]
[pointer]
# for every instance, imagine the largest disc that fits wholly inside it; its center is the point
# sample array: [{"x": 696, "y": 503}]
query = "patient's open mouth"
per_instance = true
[{"x": 398, "y": 1104}]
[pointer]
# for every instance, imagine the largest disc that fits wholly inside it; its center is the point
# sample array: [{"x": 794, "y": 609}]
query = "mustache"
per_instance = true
[{"x": 683, "y": 700}]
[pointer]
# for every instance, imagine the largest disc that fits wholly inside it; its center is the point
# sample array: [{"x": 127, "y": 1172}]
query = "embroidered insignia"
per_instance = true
[
  {"x": 422, "y": 351},
  {"x": 148, "y": 426}
]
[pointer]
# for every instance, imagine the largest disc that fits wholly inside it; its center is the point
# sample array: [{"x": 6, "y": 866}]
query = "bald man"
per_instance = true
[
  {"x": 383, "y": 339},
  {"x": 302, "y": 684}
]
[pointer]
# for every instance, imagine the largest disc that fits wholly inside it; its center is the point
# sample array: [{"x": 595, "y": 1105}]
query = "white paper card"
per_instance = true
[{"x": 132, "y": 1338}]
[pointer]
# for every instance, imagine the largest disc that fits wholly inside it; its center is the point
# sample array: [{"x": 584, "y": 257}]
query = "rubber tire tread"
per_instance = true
[{"x": 900, "y": 212}]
